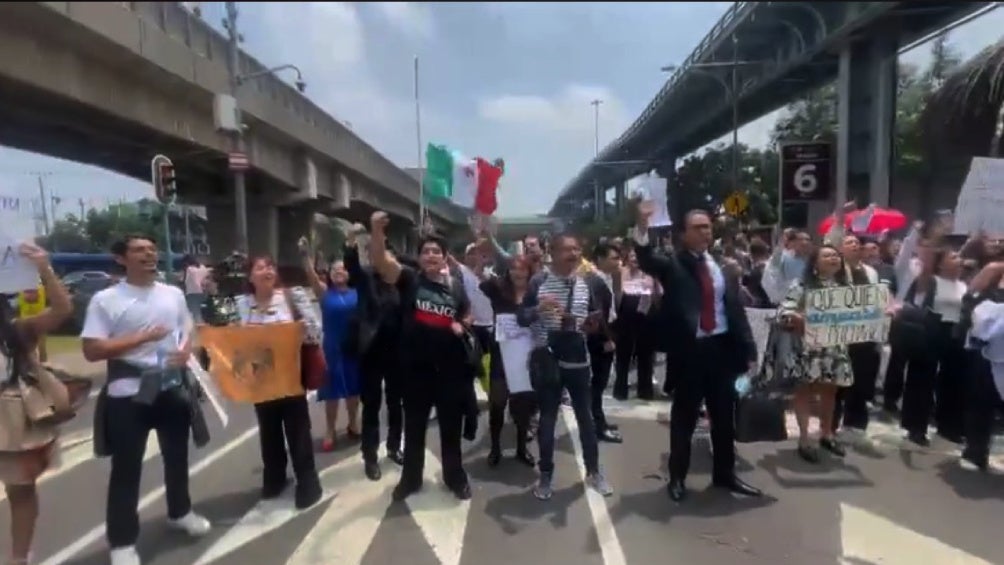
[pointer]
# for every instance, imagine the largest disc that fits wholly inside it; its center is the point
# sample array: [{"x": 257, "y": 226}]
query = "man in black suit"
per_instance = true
[
  {"x": 603, "y": 282},
  {"x": 705, "y": 330}
]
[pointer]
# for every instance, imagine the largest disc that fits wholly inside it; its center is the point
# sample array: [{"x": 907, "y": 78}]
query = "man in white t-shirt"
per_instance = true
[
  {"x": 196, "y": 272},
  {"x": 140, "y": 327}
]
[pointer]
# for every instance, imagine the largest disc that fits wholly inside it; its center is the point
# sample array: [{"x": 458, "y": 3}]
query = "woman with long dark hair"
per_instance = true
[
  {"x": 283, "y": 421},
  {"x": 817, "y": 372},
  {"x": 21, "y": 465},
  {"x": 505, "y": 293}
]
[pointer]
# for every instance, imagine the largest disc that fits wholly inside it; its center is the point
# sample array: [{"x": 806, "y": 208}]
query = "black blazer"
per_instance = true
[
  {"x": 604, "y": 299},
  {"x": 679, "y": 313}
]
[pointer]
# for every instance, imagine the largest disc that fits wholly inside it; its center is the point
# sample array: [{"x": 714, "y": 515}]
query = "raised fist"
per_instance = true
[{"x": 379, "y": 220}]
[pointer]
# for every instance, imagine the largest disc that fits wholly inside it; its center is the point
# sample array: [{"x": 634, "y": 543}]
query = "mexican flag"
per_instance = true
[{"x": 468, "y": 183}]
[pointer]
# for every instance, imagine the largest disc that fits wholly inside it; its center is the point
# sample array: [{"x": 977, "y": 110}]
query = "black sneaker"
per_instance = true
[
  {"x": 273, "y": 490},
  {"x": 372, "y": 470},
  {"x": 405, "y": 489},
  {"x": 462, "y": 492}
]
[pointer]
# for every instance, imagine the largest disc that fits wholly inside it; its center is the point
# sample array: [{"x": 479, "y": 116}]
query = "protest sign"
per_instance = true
[
  {"x": 841, "y": 315},
  {"x": 760, "y": 320},
  {"x": 255, "y": 363},
  {"x": 515, "y": 343},
  {"x": 16, "y": 227},
  {"x": 981, "y": 200}
]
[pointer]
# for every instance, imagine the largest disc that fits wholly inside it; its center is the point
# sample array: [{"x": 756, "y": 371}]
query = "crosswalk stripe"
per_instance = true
[
  {"x": 441, "y": 517},
  {"x": 95, "y": 533},
  {"x": 344, "y": 532},
  {"x": 81, "y": 453}
]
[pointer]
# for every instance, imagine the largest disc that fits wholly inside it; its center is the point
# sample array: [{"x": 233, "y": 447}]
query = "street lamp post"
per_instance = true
[
  {"x": 596, "y": 126},
  {"x": 237, "y": 143},
  {"x": 732, "y": 90}
]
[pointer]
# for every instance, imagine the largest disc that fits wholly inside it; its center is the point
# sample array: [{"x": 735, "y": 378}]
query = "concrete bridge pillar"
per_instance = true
[
  {"x": 620, "y": 196},
  {"x": 866, "y": 87},
  {"x": 598, "y": 202}
]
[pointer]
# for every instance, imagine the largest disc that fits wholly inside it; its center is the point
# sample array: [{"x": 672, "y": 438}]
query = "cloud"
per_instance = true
[
  {"x": 411, "y": 18},
  {"x": 569, "y": 112}
]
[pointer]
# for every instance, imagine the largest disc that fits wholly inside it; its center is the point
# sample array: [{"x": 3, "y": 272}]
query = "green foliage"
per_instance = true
[{"x": 97, "y": 232}]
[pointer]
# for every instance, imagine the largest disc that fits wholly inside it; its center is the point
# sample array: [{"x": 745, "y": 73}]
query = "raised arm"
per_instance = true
[
  {"x": 386, "y": 266},
  {"x": 658, "y": 266},
  {"x": 314, "y": 282},
  {"x": 60, "y": 306},
  {"x": 906, "y": 251}
]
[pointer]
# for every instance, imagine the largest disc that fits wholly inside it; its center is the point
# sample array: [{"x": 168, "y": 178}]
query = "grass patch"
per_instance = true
[{"x": 60, "y": 344}]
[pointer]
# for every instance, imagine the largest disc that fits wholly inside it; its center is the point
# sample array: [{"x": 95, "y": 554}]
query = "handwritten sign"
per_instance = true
[
  {"x": 842, "y": 315},
  {"x": 515, "y": 343},
  {"x": 981, "y": 199},
  {"x": 760, "y": 320},
  {"x": 255, "y": 363},
  {"x": 17, "y": 225},
  {"x": 652, "y": 188}
]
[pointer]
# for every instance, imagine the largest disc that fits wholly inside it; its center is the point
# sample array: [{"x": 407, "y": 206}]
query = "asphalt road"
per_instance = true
[{"x": 888, "y": 505}]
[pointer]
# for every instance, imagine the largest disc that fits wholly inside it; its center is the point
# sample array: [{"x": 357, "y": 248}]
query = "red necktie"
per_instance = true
[{"x": 707, "y": 323}]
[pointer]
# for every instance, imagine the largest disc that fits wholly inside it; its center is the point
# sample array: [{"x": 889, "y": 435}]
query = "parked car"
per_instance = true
[{"x": 81, "y": 292}]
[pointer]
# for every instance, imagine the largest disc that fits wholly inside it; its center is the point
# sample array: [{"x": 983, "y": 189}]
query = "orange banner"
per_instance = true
[{"x": 255, "y": 363}]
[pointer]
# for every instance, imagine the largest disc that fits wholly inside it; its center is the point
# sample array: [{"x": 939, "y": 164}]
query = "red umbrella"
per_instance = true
[{"x": 882, "y": 219}]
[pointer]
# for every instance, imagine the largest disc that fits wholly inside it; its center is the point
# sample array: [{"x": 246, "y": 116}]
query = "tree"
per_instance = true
[{"x": 97, "y": 232}]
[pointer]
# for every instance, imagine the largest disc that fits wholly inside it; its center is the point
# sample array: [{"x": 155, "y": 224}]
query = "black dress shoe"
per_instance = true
[
  {"x": 308, "y": 492},
  {"x": 613, "y": 427},
  {"x": 526, "y": 458},
  {"x": 676, "y": 489},
  {"x": 396, "y": 456},
  {"x": 609, "y": 436},
  {"x": 737, "y": 486},
  {"x": 275, "y": 489},
  {"x": 918, "y": 438},
  {"x": 404, "y": 489},
  {"x": 372, "y": 470},
  {"x": 494, "y": 458},
  {"x": 462, "y": 492}
]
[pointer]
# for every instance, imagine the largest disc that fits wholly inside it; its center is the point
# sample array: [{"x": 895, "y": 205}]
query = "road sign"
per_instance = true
[
  {"x": 164, "y": 181},
  {"x": 238, "y": 161},
  {"x": 806, "y": 171},
  {"x": 737, "y": 204}
]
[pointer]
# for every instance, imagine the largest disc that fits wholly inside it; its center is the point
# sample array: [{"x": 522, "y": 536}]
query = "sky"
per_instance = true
[{"x": 511, "y": 80}]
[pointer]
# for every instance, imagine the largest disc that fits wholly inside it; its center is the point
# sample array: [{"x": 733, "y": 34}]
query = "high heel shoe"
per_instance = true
[{"x": 328, "y": 444}]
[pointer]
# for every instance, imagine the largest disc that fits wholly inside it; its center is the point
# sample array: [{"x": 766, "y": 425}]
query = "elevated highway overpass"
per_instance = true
[
  {"x": 114, "y": 83},
  {"x": 786, "y": 49}
]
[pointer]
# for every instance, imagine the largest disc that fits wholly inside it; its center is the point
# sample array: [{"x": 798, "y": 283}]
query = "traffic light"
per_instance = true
[{"x": 164, "y": 180}]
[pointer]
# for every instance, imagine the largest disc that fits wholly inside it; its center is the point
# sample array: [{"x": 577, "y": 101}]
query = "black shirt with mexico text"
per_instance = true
[{"x": 428, "y": 309}]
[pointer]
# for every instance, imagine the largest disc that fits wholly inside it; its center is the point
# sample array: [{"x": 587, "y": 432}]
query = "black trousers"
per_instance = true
[
  {"x": 450, "y": 394},
  {"x": 600, "y": 362},
  {"x": 852, "y": 401},
  {"x": 635, "y": 341},
  {"x": 983, "y": 399},
  {"x": 129, "y": 428},
  {"x": 380, "y": 375},
  {"x": 704, "y": 376},
  {"x": 895, "y": 378},
  {"x": 521, "y": 405},
  {"x": 951, "y": 388},
  {"x": 921, "y": 381},
  {"x": 282, "y": 422}
]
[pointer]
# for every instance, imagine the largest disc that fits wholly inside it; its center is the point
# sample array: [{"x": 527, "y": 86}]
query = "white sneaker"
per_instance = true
[
  {"x": 192, "y": 524},
  {"x": 125, "y": 556}
]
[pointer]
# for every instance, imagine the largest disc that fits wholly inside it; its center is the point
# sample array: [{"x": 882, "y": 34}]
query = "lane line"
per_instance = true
[
  {"x": 83, "y": 452},
  {"x": 153, "y": 496},
  {"x": 606, "y": 534}
]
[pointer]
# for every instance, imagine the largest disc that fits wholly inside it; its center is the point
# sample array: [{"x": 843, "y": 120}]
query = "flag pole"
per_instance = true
[{"x": 418, "y": 147}]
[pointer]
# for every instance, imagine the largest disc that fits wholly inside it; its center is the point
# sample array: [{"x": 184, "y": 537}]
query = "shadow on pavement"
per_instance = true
[
  {"x": 820, "y": 475},
  {"x": 517, "y": 511},
  {"x": 969, "y": 484}
]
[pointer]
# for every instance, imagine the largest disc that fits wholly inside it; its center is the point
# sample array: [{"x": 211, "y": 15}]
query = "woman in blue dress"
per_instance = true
[{"x": 338, "y": 309}]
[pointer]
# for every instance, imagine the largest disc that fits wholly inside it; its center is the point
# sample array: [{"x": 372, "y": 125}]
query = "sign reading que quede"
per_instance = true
[{"x": 842, "y": 315}]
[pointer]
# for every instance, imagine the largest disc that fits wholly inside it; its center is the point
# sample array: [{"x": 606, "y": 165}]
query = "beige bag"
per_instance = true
[{"x": 26, "y": 420}]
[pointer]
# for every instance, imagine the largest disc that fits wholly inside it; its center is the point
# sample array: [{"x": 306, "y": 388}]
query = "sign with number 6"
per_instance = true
[{"x": 806, "y": 171}]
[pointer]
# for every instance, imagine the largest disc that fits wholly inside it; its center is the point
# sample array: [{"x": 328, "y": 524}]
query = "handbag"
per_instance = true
[
  {"x": 545, "y": 373},
  {"x": 760, "y": 417},
  {"x": 313, "y": 366}
]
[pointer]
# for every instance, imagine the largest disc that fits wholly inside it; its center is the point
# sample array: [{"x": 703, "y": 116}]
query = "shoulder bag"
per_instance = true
[
  {"x": 313, "y": 367},
  {"x": 545, "y": 373}
]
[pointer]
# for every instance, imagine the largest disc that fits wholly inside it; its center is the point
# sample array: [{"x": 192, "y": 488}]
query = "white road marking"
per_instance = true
[
  {"x": 610, "y": 545},
  {"x": 869, "y": 538},
  {"x": 83, "y": 452},
  {"x": 153, "y": 496},
  {"x": 441, "y": 517},
  {"x": 347, "y": 528}
]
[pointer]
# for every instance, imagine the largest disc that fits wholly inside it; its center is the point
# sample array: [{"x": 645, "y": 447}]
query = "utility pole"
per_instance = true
[
  {"x": 735, "y": 112},
  {"x": 83, "y": 208},
  {"x": 418, "y": 143},
  {"x": 188, "y": 229},
  {"x": 596, "y": 126},
  {"x": 237, "y": 140}
]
